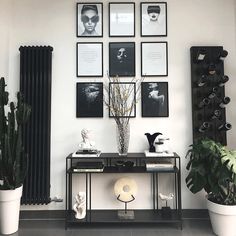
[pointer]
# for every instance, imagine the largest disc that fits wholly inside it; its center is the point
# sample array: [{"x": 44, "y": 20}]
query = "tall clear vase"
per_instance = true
[{"x": 122, "y": 138}]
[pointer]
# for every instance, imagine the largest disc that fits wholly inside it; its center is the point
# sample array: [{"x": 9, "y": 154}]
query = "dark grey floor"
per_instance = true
[{"x": 56, "y": 228}]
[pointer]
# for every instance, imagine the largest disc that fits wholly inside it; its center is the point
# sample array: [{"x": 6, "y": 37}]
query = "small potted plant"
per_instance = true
[
  {"x": 212, "y": 167},
  {"x": 13, "y": 160}
]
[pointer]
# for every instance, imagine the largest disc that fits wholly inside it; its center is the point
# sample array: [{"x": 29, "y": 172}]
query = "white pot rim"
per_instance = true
[
  {"x": 11, "y": 195},
  {"x": 221, "y": 209}
]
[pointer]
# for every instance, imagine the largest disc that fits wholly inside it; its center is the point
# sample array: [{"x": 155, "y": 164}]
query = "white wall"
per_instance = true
[{"x": 190, "y": 23}]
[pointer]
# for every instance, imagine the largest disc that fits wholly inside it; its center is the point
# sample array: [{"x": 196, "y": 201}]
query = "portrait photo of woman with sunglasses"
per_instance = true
[{"x": 89, "y": 20}]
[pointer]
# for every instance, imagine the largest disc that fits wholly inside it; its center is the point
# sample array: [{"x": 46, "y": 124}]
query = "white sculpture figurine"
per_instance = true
[
  {"x": 87, "y": 143},
  {"x": 80, "y": 205}
]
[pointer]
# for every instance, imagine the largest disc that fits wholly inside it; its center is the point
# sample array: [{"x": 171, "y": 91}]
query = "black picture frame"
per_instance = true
[
  {"x": 89, "y": 99},
  {"x": 133, "y": 98},
  {"x": 155, "y": 101},
  {"x": 122, "y": 59},
  {"x": 89, "y": 59},
  {"x": 126, "y": 27},
  {"x": 154, "y": 59},
  {"x": 92, "y": 13},
  {"x": 153, "y": 17}
]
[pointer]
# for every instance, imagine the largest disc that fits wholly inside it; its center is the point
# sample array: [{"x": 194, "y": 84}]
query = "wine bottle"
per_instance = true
[
  {"x": 224, "y": 79},
  {"x": 223, "y": 54},
  {"x": 202, "y": 81},
  {"x": 224, "y": 102},
  {"x": 204, "y": 102},
  {"x": 201, "y": 54},
  {"x": 225, "y": 127},
  {"x": 212, "y": 69},
  {"x": 215, "y": 115},
  {"x": 205, "y": 126}
]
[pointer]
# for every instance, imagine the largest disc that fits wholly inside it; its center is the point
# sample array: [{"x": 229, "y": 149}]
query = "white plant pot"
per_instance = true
[
  {"x": 9, "y": 210},
  {"x": 223, "y": 218}
]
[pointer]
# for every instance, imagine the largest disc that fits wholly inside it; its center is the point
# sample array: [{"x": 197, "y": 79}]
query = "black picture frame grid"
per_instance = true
[{"x": 134, "y": 84}]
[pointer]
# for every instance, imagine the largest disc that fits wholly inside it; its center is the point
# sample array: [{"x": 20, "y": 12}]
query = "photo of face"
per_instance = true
[
  {"x": 91, "y": 92},
  {"x": 122, "y": 55},
  {"x": 89, "y": 19},
  {"x": 153, "y": 12},
  {"x": 154, "y": 94}
]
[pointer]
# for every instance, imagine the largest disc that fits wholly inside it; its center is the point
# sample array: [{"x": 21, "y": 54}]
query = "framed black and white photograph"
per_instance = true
[
  {"x": 122, "y": 19},
  {"x": 122, "y": 99},
  {"x": 153, "y": 19},
  {"x": 89, "y": 20},
  {"x": 89, "y": 60},
  {"x": 154, "y": 59},
  {"x": 89, "y": 100},
  {"x": 154, "y": 97},
  {"x": 122, "y": 59}
]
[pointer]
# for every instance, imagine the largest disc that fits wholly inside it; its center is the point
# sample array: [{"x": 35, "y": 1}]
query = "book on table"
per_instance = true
[
  {"x": 159, "y": 165},
  {"x": 88, "y": 166},
  {"x": 86, "y": 153},
  {"x": 158, "y": 154}
]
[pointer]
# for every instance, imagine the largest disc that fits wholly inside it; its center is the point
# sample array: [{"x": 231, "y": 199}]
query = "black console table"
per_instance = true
[{"x": 151, "y": 216}]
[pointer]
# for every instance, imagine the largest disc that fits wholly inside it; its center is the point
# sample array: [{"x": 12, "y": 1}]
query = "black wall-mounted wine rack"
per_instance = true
[{"x": 208, "y": 93}]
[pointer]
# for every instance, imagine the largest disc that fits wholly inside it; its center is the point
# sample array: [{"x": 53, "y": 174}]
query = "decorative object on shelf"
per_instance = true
[
  {"x": 13, "y": 160},
  {"x": 122, "y": 19},
  {"x": 154, "y": 58},
  {"x": 154, "y": 19},
  {"x": 124, "y": 165},
  {"x": 87, "y": 143},
  {"x": 125, "y": 190},
  {"x": 121, "y": 103},
  {"x": 155, "y": 99},
  {"x": 80, "y": 205},
  {"x": 89, "y": 100},
  {"x": 151, "y": 138},
  {"x": 122, "y": 59},
  {"x": 212, "y": 167},
  {"x": 166, "y": 211},
  {"x": 89, "y": 20},
  {"x": 166, "y": 144},
  {"x": 89, "y": 59}
]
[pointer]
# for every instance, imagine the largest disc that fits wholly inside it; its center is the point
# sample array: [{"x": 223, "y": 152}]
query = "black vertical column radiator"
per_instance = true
[{"x": 35, "y": 84}]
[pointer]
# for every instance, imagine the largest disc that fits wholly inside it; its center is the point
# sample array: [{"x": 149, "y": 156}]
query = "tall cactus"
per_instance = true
[{"x": 13, "y": 160}]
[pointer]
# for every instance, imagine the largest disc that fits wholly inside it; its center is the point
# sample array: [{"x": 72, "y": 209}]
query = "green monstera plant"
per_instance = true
[
  {"x": 13, "y": 160},
  {"x": 212, "y": 167}
]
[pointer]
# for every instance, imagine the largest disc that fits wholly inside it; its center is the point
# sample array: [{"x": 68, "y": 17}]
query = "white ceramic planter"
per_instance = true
[
  {"x": 223, "y": 219},
  {"x": 9, "y": 210}
]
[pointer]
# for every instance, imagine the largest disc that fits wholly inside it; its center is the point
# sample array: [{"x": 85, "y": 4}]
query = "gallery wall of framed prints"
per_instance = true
[{"x": 121, "y": 39}]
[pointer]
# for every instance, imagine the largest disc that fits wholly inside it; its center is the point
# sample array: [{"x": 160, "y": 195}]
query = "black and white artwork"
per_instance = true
[
  {"x": 154, "y": 99},
  {"x": 122, "y": 19},
  {"x": 122, "y": 59},
  {"x": 89, "y": 60},
  {"x": 89, "y": 19},
  {"x": 89, "y": 100},
  {"x": 154, "y": 59},
  {"x": 154, "y": 19}
]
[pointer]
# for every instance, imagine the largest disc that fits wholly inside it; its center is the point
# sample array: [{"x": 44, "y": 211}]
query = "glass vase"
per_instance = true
[{"x": 122, "y": 138}]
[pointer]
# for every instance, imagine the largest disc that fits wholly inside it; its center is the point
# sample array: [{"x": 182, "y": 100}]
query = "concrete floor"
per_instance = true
[{"x": 194, "y": 227}]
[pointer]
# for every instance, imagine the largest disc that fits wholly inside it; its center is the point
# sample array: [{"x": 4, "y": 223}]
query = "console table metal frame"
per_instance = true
[{"x": 110, "y": 216}]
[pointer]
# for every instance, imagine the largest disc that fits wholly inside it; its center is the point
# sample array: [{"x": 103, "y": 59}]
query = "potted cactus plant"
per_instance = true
[
  {"x": 13, "y": 160},
  {"x": 212, "y": 167}
]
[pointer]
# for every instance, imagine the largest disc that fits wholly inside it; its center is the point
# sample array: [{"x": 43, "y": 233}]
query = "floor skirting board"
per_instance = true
[{"x": 60, "y": 214}]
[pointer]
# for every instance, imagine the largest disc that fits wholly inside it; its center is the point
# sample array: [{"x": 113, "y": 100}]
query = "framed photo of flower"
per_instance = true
[
  {"x": 154, "y": 97},
  {"x": 154, "y": 59},
  {"x": 153, "y": 19},
  {"x": 89, "y": 20},
  {"x": 122, "y": 99},
  {"x": 89, "y": 100},
  {"x": 122, "y": 59},
  {"x": 122, "y": 19}
]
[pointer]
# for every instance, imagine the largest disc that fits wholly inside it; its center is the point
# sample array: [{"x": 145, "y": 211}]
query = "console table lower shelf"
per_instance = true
[{"x": 111, "y": 217}]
